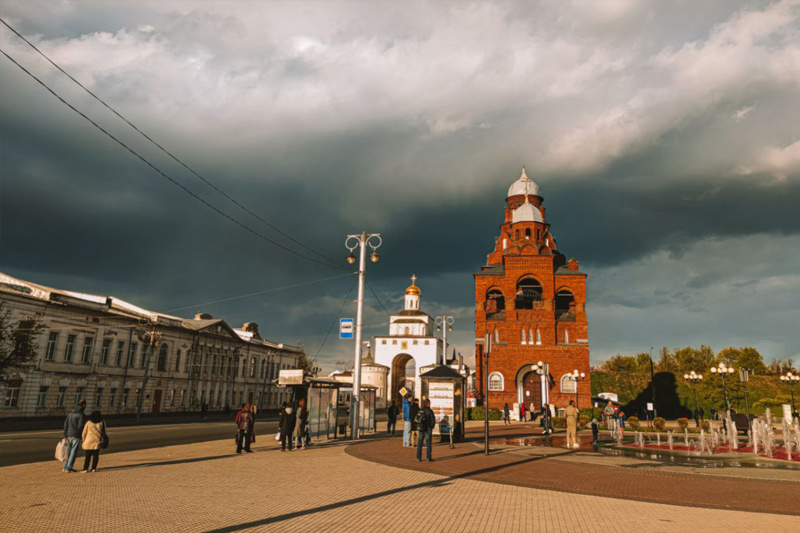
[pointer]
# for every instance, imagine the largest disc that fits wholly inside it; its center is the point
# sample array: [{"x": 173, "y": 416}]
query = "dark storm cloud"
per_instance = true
[{"x": 656, "y": 141}]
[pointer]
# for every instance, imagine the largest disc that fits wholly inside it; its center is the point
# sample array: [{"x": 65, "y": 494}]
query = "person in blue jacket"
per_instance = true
[{"x": 407, "y": 421}]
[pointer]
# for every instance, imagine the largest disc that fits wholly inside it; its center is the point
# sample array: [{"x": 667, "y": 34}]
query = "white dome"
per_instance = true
[
  {"x": 523, "y": 186},
  {"x": 527, "y": 212}
]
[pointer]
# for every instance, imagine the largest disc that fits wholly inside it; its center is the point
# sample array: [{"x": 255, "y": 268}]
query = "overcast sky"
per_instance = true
[{"x": 665, "y": 137}]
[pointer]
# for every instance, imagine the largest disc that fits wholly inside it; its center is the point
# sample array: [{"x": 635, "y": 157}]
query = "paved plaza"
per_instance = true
[{"x": 344, "y": 486}]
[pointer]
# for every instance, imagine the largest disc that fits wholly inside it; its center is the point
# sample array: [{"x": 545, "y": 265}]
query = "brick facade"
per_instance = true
[{"x": 531, "y": 300}]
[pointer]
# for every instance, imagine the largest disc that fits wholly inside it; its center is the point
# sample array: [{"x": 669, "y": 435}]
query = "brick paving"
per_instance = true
[{"x": 203, "y": 487}]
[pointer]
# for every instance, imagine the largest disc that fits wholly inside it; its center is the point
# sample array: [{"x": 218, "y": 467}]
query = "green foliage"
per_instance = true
[
  {"x": 659, "y": 423},
  {"x": 683, "y": 422},
  {"x": 706, "y": 425},
  {"x": 746, "y": 357},
  {"x": 18, "y": 342},
  {"x": 477, "y": 413},
  {"x": 583, "y": 421},
  {"x": 773, "y": 403},
  {"x": 633, "y": 422}
]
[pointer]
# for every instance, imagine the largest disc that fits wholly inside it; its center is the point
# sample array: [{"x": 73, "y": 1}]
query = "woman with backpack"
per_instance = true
[
  {"x": 244, "y": 426},
  {"x": 93, "y": 438}
]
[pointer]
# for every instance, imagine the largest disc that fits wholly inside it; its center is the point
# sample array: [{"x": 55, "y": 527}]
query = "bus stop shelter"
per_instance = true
[
  {"x": 446, "y": 390},
  {"x": 321, "y": 396}
]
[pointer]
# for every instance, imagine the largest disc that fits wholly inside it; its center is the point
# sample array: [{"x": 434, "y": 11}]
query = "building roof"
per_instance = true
[
  {"x": 564, "y": 271},
  {"x": 441, "y": 371},
  {"x": 527, "y": 212},
  {"x": 493, "y": 270},
  {"x": 412, "y": 312},
  {"x": 523, "y": 186},
  {"x": 119, "y": 307}
]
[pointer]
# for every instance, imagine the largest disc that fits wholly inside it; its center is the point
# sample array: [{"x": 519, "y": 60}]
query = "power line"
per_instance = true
[
  {"x": 376, "y": 297},
  {"x": 333, "y": 324},
  {"x": 160, "y": 172},
  {"x": 175, "y": 158},
  {"x": 260, "y": 292}
]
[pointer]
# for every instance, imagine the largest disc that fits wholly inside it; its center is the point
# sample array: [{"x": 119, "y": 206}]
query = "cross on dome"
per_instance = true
[
  {"x": 413, "y": 279},
  {"x": 523, "y": 186},
  {"x": 413, "y": 289}
]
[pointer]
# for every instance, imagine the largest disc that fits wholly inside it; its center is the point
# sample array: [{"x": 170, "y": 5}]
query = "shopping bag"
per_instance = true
[
  {"x": 62, "y": 450},
  {"x": 278, "y": 437}
]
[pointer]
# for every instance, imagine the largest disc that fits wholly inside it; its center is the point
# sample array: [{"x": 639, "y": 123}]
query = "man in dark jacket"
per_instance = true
[
  {"x": 392, "y": 413},
  {"x": 73, "y": 429},
  {"x": 412, "y": 413},
  {"x": 425, "y": 422},
  {"x": 286, "y": 423}
]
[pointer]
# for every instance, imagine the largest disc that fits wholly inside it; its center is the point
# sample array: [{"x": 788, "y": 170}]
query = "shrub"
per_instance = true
[
  {"x": 706, "y": 425},
  {"x": 633, "y": 422},
  {"x": 683, "y": 422},
  {"x": 659, "y": 423},
  {"x": 477, "y": 413},
  {"x": 559, "y": 422}
]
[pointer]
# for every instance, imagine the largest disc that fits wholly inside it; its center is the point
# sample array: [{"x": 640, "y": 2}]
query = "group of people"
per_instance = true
[
  {"x": 292, "y": 425},
  {"x": 418, "y": 424},
  {"x": 88, "y": 433},
  {"x": 545, "y": 415}
]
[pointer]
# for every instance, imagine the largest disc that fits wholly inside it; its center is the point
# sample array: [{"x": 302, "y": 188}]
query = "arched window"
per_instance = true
[
  {"x": 505, "y": 243},
  {"x": 568, "y": 384},
  {"x": 496, "y": 335},
  {"x": 252, "y": 367},
  {"x": 528, "y": 233},
  {"x": 538, "y": 336},
  {"x": 496, "y": 382},
  {"x": 565, "y": 303},
  {"x": 529, "y": 293},
  {"x": 524, "y": 339},
  {"x": 566, "y": 336},
  {"x": 495, "y": 303},
  {"x": 162, "y": 358}
]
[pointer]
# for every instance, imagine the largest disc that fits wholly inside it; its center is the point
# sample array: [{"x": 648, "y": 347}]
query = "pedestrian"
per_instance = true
[
  {"x": 702, "y": 415},
  {"x": 286, "y": 425},
  {"x": 73, "y": 430},
  {"x": 532, "y": 411},
  {"x": 696, "y": 416},
  {"x": 392, "y": 423},
  {"x": 203, "y": 410},
  {"x": 622, "y": 419},
  {"x": 506, "y": 415},
  {"x": 571, "y": 415},
  {"x": 412, "y": 412},
  {"x": 543, "y": 418},
  {"x": 795, "y": 416},
  {"x": 609, "y": 414},
  {"x": 407, "y": 421},
  {"x": 300, "y": 423},
  {"x": 522, "y": 412},
  {"x": 92, "y": 437},
  {"x": 425, "y": 422},
  {"x": 595, "y": 432},
  {"x": 244, "y": 429},
  {"x": 551, "y": 409}
]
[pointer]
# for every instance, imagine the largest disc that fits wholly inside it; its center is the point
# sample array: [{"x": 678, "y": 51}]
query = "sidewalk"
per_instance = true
[{"x": 204, "y": 487}]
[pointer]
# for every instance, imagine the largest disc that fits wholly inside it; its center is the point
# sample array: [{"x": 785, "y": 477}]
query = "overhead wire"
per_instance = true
[
  {"x": 267, "y": 291},
  {"x": 162, "y": 173},
  {"x": 378, "y": 298},
  {"x": 167, "y": 152},
  {"x": 333, "y": 324}
]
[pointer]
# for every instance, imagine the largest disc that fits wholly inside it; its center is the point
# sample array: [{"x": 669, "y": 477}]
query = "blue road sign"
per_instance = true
[{"x": 346, "y": 328}]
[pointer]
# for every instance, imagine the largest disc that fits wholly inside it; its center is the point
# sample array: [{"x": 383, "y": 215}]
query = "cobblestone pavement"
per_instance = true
[{"x": 203, "y": 487}]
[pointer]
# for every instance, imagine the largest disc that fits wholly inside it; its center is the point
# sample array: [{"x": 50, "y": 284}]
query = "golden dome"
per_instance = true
[{"x": 413, "y": 289}]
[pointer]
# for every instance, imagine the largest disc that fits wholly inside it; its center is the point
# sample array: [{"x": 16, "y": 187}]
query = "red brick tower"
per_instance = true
[{"x": 531, "y": 300}]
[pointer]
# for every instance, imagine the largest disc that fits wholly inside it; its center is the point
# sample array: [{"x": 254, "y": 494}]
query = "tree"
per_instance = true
[
  {"x": 18, "y": 342},
  {"x": 746, "y": 357},
  {"x": 306, "y": 364}
]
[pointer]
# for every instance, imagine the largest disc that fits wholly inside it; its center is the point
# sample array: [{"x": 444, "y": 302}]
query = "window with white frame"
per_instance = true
[
  {"x": 78, "y": 395},
  {"x": 524, "y": 338},
  {"x": 120, "y": 352},
  {"x": 112, "y": 397},
  {"x": 42, "y": 400},
  {"x": 132, "y": 354},
  {"x": 88, "y": 342},
  {"x": 51, "y": 346},
  {"x": 105, "y": 351},
  {"x": 98, "y": 398},
  {"x": 12, "y": 393},
  {"x": 568, "y": 384},
  {"x": 69, "y": 348},
  {"x": 177, "y": 360},
  {"x": 496, "y": 381},
  {"x": 62, "y": 396}
]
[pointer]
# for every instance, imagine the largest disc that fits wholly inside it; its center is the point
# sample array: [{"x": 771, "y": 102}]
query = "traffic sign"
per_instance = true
[
  {"x": 346, "y": 327},
  {"x": 403, "y": 392}
]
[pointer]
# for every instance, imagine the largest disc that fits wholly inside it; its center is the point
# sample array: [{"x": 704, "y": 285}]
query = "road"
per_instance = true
[
  {"x": 21, "y": 447},
  {"x": 35, "y": 446}
]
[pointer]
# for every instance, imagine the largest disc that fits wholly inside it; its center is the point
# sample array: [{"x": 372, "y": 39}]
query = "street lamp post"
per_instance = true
[
  {"x": 487, "y": 350},
  {"x": 577, "y": 376},
  {"x": 694, "y": 379},
  {"x": 444, "y": 324},
  {"x": 543, "y": 370},
  {"x": 723, "y": 371},
  {"x": 653, "y": 383},
  {"x": 361, "y": 242},
  {"x": 791, "y": 380}
]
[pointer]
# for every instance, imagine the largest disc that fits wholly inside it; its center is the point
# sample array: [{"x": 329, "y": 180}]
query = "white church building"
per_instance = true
[{"x": 411, "y": 338}]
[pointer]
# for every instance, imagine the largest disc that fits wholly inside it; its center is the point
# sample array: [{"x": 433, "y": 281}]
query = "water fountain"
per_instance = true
[
  {"x": 658, "y": 440},
  {"x": 669, "y": 439},
  {"x": 686, "y": 438}
]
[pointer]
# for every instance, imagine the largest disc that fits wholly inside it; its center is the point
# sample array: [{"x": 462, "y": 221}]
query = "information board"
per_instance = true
[{"x": 441, "y": 397}]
